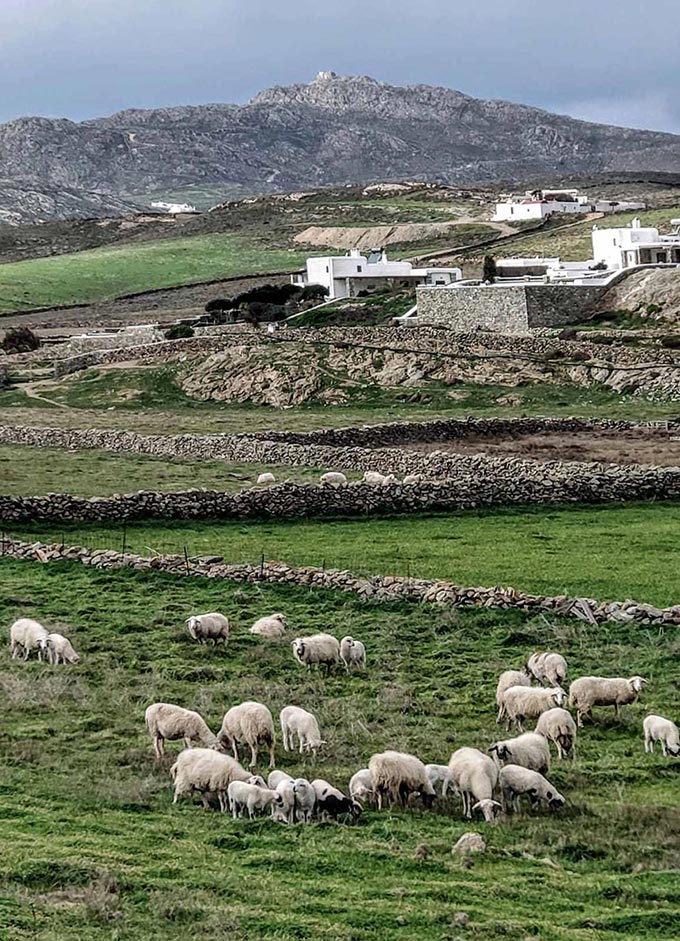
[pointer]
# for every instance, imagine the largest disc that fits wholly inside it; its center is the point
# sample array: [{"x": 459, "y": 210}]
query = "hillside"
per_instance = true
[{"x": 334, "y": 130}]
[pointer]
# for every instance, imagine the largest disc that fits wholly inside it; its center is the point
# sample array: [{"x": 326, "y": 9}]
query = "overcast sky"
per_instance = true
[{"x": 615, "y": 61}]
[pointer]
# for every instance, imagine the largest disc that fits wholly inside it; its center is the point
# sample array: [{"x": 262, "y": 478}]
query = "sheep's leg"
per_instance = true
[
  {"x": 26, "y": 653},
  {"x": 301, "y": 741},
  {"x": 663, "y": 748},
  {"x": 617, "y": 711},
  {"x": 158, "y": 747},
  {"x": 647, "y": 744},
  {"x": 234, "y": 749},
  {"x": 272, "y": 757},
  {"x": 253, "y": 756},
  {"x": 234, "y": 810}
]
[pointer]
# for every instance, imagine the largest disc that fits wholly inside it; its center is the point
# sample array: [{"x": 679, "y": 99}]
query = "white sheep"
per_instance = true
[
  {"x": 251, "y": 724},
  {"x": 244, "y": 796},
  {"x": 474, "y": 776},
  {"x": 272, "y": 626},
  {"x": 437, "y": 774},
  {"x": 205, "y": 627},
  {"x": 206, "y": 771},
  {"x": 515, "y": 781},
  {"x": 352, "y": 653},
  {"x": 505, "y": 681},
  {"x": 548, "y": 668},
  {"x": 333, "y": 479},
  {"x": 588, "y": 691},
  {"x": 26, "y": 635},
  {"x": 168, "y": 723},
  {"x": 658, "y": 729},
  {"x": 305, "y": 800},
  {"x": 276, "y": 777},
  {"x": 284, "y": 812},
  {"x": 389, "y": 481},
  {"x": 361, "y": 786},
  {"x": 296, "y": 721},
  {"x": 397, "y": 775},
  {"x": 59, "y": 649},
  {"x": 257, "y": 779},
  {"x": 410, "y": 479},
  {"x": 530, "y": 750},
  {"x": 265, "y": 479},
  {"x": 317, "y": 649},
  {"x": 374, "y": 478},
  {"x": 558, "y": 726},
  {"x": 528, "y": 702}
]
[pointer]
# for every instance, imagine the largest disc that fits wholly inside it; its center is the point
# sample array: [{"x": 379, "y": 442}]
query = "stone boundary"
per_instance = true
[{"x": 379, "y": 588}]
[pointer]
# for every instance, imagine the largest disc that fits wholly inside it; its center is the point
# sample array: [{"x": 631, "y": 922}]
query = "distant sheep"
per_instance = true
[
  {"x": 530, "y": 750},
  {"x": 505, "y": 681},
  {"x": 205, "y": 771},
  {"x": 58, "y": 649},
  {"x": 588, "y": 691},
  {"x": 397, "y": 775},
  {"x": 528, "y": 702},
  {"x": 331, "y": 803},
  {"x": 333, "y": 479},
  {"x": 474, "y": 776},
  {"x": 411, "y": 479},
  {"x": 272, "y": 626},
  {"x": 548, "y": 668},
  {"x": 317, "y": 650},
  {"x": 168, "y": 723},
  {"x": 251, "y": 798},
  {"x": 558, "y": 726},
  {"x": 251, "y": 724},
  {"x": 26, "y": 635},
  {"x": 205, "y": 627},
  {"x": 352, "y": 653},
  {"x": 298, "y": 722},
  {"x": 658, "y": 729},
  {"x": 285, "y": 811},
  {"x": 266, "y": 479},
  {"x": 305, "y": 800},
  {"x": 516, "y": 781},
  {"x": 438, "y": 774},
  {"x": 361, "y": 786},
  {"x": 374, "y": 478}
]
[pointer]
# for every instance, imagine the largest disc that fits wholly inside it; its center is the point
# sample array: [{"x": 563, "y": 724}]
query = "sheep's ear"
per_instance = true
[{"x": 492, "y": 748}]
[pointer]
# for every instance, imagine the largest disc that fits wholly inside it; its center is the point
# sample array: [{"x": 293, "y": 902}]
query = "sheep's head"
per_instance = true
[
  {"x": 356, "y": 809},
  {"x": 490, "y": 809},
  {"x": 257, "y": 779},
  {"x": 74, "y": 658},
  {"x": 298, "y": 646},
  {"x": 559, "y": 696},
  {"x": 637, "y": 683},
  {"x": 674, "y": 750},
  {"x": 192, "y": 624},
  {"x": 555, "y": 800},
  {"x": 280, "y": 617},
  {"x": 501, "y": 750}
]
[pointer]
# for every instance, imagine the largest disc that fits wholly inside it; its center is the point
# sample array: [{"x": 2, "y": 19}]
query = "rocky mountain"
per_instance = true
[{"x": 334, "y": 130}]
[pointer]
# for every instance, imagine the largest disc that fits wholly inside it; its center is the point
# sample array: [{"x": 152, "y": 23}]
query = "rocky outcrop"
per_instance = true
[{"x": 652, "y": 294}]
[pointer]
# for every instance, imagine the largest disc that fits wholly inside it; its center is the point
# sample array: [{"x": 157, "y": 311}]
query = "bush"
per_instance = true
[
  {"x": 313, "y": 292},
  {"x": 219, "y": 303},
  {"x": 259, "y": 312},
  {"x": 20, "y": 340},
  {"x": 671, "y": 343},
  {"x": 179, "y": 331},
  {"x": 489, "y": 270}
]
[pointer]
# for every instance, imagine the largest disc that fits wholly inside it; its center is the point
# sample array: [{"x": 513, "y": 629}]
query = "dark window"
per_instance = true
[{"x": 358, "y": 268}]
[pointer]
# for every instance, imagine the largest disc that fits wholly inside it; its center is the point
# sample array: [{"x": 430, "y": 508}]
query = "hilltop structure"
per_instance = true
[{"x": 541, "y": 204}]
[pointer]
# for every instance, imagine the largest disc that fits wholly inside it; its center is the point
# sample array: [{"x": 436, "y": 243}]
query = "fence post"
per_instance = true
[
  {"x": 262, "y": 565},
  {"x": 186, "y": 560},
  {"x": 124, "y": 538}
]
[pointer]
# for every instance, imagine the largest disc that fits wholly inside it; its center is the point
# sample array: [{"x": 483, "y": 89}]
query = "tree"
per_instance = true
[
  {"x": 179, "y": 331},
  {"x": 490, "y": 271},
  {"x": 20, "y": 340}
]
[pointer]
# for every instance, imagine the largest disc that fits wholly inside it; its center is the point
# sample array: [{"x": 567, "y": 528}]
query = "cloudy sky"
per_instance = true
[{"x": 604, "y": 60}]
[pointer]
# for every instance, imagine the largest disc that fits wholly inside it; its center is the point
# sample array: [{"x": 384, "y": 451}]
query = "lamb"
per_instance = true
[
  {"x": 332, "y": 803},
  {"x": 548, "y": 667},
  {"x": 474, "y": 776},
  {"x": 297, "y": 721},
  {"x": 333, "y": 479},
  {"x": 658, "y": 729},
  {"x": 276, "y": 777},
  {"x": 352, "y": 653},
  {"x": 257, "y": 779},
  {"x": 285, "y": 811},
  {"x": 252, "y": 798},
  {"x": 167, "y": 723},
  {"x": 528, "y": 702},
  {"x": 361, "y": 786},
  {"x": 318, "y": 649},
  {"x": 396, "y": 775},
  {"x": 505, "y": 681},
  {"x": 374, "y": 478},
  {"x": 558, "y": 726},
  {"x": 588, "y": 691},
  {"x": 529, "y": 750},
  {"x": 249, "y": 723},
  {"x": 205, "y": 627},
  {"x": 272, "y": 626},
  {"x": 266, "y": 479},
  {"x": 206, "y": 771},
  {"x": 58, "y": 649},
  {"x": 516, "y": 781},
  {"x": 305, "y": 800},
  {"x": 26, "y": 635},
  {"x": 437, "y": 773}
]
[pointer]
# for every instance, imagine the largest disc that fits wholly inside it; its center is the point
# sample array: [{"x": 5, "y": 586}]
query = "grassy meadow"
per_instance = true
[{"x": 94, "y": 849}]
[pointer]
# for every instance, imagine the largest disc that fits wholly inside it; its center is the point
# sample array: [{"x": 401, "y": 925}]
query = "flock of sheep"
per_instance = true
[
  {"x": 510, "y": 769},
  {"x": 338, "y": 479}
]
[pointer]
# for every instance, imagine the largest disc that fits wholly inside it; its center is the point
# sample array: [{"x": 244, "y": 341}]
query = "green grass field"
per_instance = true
[
  {"x": 93, "y": 847},
  {"x": 104, "y": 273}
]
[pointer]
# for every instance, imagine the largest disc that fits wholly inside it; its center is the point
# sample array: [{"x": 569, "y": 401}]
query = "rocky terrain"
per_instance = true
[{"x": 334, "y": 130}]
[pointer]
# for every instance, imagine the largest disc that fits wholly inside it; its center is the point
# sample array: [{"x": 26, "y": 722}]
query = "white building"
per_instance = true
[
  {"x": 635, "y": 245},
  {"x": 539, "y": 204},
  {"x": 346, "y": 275}
]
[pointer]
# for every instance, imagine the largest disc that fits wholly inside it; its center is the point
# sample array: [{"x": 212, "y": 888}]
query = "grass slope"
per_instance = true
[{"x": 93, "y": 848}]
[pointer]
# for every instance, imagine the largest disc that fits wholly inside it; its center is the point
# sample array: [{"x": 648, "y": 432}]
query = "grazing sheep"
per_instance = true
[
  {"x": 437, "y": 774},
  {"x": 167, "y": 723},
  {"x": 257, "y": 779},
  {"x": 548, "y": 668},
  {"x": 26, "y": 635},
  {"x": 528, "y": 702},
  {"x": 516, "y": 781},
  {"x": 58, "y": 649},
  {"x": 297, "y": 721},
  {"x": 589, "y": 691},
  {"x": 333, "y": 479},
  {"x": 205, "y": 627},
  {"x": 317, "y": 650},
  {"x": 505, "y": 681},
  {"x": 206, "y": 771},
  {"x": 332, "y": 803},
  {"x": 412, "y": 479},
  {"x": 272, "y": 626},
  {"x": 251, "y": 724},
  {"x": 530, "y": 750},
  {"x": 558, "y": 726},
  {"x": 396, "y": 775},
  {"x": 389, "y": 481},
  {"x": 276, "y": 777},
  {"x": 352, "y": 653},
  {"x": 658, "y": 729},
  {"x": 474, "y": 776},
  {"x": 373, "y": 477},
  {"x": 361, "y": 786},
  {"x": 305, "y": 800},
  {"x": 284, "y": 812},
  {"x": 266, "y": 479},
  {"x": 252, "y": 798}
]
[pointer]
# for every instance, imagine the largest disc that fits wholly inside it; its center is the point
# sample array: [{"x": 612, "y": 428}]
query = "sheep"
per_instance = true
[
  {"x": 352, "y": 653},
  {"x": 272, "y": 626},
  {"x": 515, "y": 781},
  {"x": 548, "y": 667},
  {"x": 249, "y": 723},
  {"x": 528, "y": 702},
  {"x": 26, "y": 635},
  {"x": 297, "y": 721},
  {"x": 658, "y": 729},
  {"x": 318, "y": 649},
  {"x": 276, "y": 777},
  {"x": 374, "y": 478},
  {"x": 410, "y": 479},
  {"x": 206, "y": 771},
  {"x": 257, "y": 779},
  {"x": 58, "y": 649},
  {"x": 333, "y": 479},
  {"x": 332, "y": 803},
  {"x": 252, "y": 798},
  {"x": 437, "y": 773},
  {"x": 396, "y": 775},
  {"x": 588, "y": 691},
  {"x": 205, "y": 627},
  {"x": 266, "y": 479},
  {"x": 361, "y": 786},
  {"x": 530, "y": 750},
  {"x": 167, "y": 722},
  {"x": 284, "y": 812},
  {"x": 505, "y": 681},
  {"x": 389, "y": 481},
  {"x": 558, "y": 726},
  {"x": 474, "y": 776},
  {"x": 305, "y": 800}
]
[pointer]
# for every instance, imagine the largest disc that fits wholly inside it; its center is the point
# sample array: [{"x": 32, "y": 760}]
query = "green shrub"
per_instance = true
[
  {"x": 20, "y": 340},
  {"x": 671, "y": 342},
  {"x": 179, "y": 331}
]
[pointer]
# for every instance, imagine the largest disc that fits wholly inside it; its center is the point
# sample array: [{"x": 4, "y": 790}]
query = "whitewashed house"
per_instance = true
[
  {"x": 635, "y": 245},
  {"x": 540, "y": 204}
]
